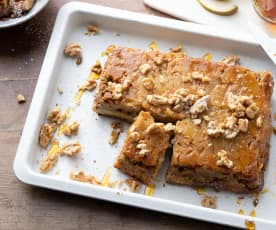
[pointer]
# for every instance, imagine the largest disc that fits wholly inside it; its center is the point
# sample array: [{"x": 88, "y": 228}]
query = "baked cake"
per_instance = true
[
  {"x": 222, "y": 113},
  {"x": 144, "y": 149}
]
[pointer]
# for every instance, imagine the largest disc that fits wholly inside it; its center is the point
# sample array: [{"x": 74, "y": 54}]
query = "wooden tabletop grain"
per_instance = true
[{"x": 22, "y": 206}]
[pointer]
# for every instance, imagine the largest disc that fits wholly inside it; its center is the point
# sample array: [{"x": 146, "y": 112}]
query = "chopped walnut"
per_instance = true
[
  {"x": 145, "y": 68},
  {"x": 97, "y": 68},
  {"x": 56, "y": 117},
  {"x": 142, "y": 147},
  {"x": 133, "y": 185},
  {"x": 200, "y": 105},
  {"x": 20, "y": 98},
  {"x": 259, "y": 122},
  {"x": 148, "y": 83},
  {"x": 71, "y": 129},
  {"x": 231, "y": 60},
  {"x": 49, "y": 162},
  {"x": 252, "y": 111},
  {"x": 92, "y": 30},
  {"x": 82, "y": 177},
  {"x": 177, "y": 49},
  {"x": 169, "y": 127},
  {"x": 243, "y": 125},
  {"x": 115, "y": 89},
  {"x": 223, "y": 159},
  {"x": 197, "y": 121},
  {"x": 126, "y": 84},
  {"x": 46, "y": 134},
  {"x": 74, "y": 50},
  {"x": 157, "y": 100},
  {"x": 209, "y": 201},
  {"x": 89, "y": 85},
  {"x": 70, "y": 149}
]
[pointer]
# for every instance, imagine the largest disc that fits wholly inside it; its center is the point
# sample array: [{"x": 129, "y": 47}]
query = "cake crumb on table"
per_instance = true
[
  {"x": 20, "y": 98},
  {"x": 209, "y": 202}
]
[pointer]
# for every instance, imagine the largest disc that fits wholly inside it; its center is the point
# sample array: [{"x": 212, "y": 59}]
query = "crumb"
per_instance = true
[
  {"x": 209, "y": 202},
  {"x": 70, "y": 149},
  {"x": 111, "y": 184},
  {"x": 164, "y": 185},
  {"x": 133, "y": 185},
  {"x": 74, "y": 50},
  {"x": 57, "y": 172},
  {"x": 177, "y": 49},
  {"x": 92, "y": 30},
  {"x": 71, "y": 129},
  {"x": 274, "y": 130},
  {"x": 117, "y": 128},
  {"x": 94, "y": 161},
  {"x": 117, "y": 34},
  {"x": 60, "y": 90},
  {"x": 20, "y": 98},
  {"x": 97, "y": 68},
  {"x": 255, "y": 201}
]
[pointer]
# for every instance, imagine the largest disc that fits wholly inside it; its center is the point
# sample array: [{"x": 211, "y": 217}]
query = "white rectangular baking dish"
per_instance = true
[{"x": 136, "y": 30}]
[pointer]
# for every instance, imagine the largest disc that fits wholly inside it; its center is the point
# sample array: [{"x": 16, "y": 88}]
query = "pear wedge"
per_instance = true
[{"x": 224, "y": 8}]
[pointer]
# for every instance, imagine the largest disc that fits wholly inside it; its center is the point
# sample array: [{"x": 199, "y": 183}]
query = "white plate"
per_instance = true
[
  {"x": 136, "y": 30},
  {"x": 38, "y": 6},
  {"x": 193, "y": 11}
]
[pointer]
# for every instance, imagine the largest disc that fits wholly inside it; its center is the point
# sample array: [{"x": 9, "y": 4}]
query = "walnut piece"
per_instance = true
[
  {"x": 56, "y": 116},
  {"x": 46, "y": 134},
  {"x": 92, "y": 30},
  {"x": 177, "y": 49},
  {"x": 145, "y": 68},
  {"x": 243, "y": 125},
  {"x": 71, "y": 129},
  {"x": 209, "y": 201},
  {"x": 231, "y": 60},
  {"x": 200, "y": 105},
  {"x": 70, "y": 148},
  {"x": 82, "y": 177},
  {"x": 74, "y": 50},
  {"x": 49, "y": 162},
  {"x": 157, "y": 100},
  {"x": 142, "y": 147},
  {"x": 115, "y": 89},
  {"x": 259, "y": 122},
  {"x": 20, "y": 98},
  {"x": 148, "y": 83},
  {"x": 223, "y": 159}
]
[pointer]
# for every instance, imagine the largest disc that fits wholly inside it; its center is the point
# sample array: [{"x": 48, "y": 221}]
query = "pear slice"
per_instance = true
[{"x": 224, "y": 8}]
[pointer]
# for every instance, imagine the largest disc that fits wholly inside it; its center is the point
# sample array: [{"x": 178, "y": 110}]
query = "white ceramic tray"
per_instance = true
[{"x": 136, "y": 30}]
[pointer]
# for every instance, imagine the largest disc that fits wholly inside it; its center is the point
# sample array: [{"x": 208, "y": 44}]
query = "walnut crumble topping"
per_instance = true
[
  {"x": 223, "y": 159},
  {"x": 148, "y": 83},
  {"x": 70, "y": 148},
  {"x": 145, "y": 68},
  {"x": 74, "y": 50},
  {"x": 142, "y": 148}
]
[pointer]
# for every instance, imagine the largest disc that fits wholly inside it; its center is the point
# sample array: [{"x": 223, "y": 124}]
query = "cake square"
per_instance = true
[
  {"x": 227, "y": 146},
  {"x": 144, "y": 149}
]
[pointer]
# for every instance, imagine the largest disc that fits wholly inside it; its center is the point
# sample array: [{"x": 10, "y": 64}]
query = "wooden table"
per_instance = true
[{"x": 22, "y": 50}]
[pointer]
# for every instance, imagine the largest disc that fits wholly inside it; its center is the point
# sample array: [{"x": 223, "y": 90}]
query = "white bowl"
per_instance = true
[{"x": 38, "y": 6}]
